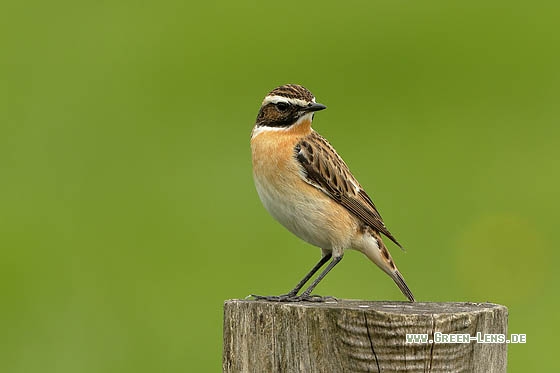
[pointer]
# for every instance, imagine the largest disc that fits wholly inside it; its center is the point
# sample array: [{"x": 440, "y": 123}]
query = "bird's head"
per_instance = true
[{"x": 286, "y": 106}]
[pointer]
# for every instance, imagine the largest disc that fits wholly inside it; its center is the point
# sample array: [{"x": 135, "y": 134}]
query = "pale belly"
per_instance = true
[{"x": 310, "y": 216}]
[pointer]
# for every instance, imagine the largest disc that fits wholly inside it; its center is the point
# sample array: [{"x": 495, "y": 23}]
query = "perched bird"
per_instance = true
[{"x": 306, "y": 186}]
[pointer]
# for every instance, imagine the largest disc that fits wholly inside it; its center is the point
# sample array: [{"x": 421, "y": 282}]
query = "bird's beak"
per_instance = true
[{"x": 314, "y": 107}]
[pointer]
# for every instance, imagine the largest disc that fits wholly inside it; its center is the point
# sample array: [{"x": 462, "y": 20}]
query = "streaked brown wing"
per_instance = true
[{"x": 325, "y": 170}]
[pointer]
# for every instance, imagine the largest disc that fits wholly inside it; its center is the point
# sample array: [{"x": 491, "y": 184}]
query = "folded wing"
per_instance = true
[{"x": 325, "y": 170}]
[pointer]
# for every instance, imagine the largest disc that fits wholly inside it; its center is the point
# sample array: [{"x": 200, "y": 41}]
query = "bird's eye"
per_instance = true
[{"x": 282, "y": 106}]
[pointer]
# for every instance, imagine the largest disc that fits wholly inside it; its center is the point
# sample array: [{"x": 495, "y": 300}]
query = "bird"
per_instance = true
[{"x": 307, "y": 187}]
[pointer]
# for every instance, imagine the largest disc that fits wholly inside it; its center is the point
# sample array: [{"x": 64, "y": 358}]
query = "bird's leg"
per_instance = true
[
  {"x": 325, "y": 258},
  {"x": 292, "y": 295},
  {"x": 306, "y": 295}
]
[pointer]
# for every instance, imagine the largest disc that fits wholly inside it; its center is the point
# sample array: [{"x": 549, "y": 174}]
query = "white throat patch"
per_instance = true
[{"x": 260, "y": 129}]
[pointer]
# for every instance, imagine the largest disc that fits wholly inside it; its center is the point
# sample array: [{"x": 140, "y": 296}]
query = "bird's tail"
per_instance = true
[
  {"x": 372, "y": 245},
  {"x": 399, "y": 280}
]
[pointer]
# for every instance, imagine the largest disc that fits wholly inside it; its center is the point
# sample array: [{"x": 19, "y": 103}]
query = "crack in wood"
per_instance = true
[
  {"x": 433, "y": 343},
  {"x": 371, "y": 343}
]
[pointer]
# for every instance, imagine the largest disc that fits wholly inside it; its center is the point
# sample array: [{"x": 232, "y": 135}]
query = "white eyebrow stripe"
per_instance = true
[{"x": 276, "y": 99}]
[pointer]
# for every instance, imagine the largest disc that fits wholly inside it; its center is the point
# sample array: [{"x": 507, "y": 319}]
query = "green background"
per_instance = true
[{"x": 127, "y": 207}]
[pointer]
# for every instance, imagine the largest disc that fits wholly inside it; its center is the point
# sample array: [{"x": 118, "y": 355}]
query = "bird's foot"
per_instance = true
[
  {"x": 293, "y": 298},
  {"x": 276, "y": 298}
]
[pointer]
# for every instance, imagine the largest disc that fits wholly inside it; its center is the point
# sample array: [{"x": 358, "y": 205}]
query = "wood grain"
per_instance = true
[{"x": 359, "y": 336}]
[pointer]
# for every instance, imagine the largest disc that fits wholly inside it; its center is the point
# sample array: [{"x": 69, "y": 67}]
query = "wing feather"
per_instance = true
[{"x": 324, "y": 169}]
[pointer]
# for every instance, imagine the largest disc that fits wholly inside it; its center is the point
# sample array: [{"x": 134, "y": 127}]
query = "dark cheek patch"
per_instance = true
[{"x": 269, "y": 116}]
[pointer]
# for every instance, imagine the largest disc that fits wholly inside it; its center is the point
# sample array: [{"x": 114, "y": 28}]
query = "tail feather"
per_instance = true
[
  {"x": 399, "y": 280},
  {"x": 373, "y": 247}
]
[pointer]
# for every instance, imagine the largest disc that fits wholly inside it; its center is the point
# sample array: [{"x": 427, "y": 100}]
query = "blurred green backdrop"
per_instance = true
[{"x": 127, "y": 207}]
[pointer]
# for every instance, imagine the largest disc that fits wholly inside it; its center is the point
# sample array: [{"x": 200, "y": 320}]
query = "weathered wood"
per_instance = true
[{"x": 359, "y": 336}]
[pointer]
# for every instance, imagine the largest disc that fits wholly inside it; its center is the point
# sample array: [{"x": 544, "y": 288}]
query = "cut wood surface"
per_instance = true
[{"x": 360, "y": 336}]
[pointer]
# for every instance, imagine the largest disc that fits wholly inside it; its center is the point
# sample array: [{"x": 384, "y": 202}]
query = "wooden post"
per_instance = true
[{"x": 360, "y": 336}]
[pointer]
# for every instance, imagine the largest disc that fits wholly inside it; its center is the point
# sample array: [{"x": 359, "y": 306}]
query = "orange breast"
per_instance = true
[
  {"x": 273, "y": 153},
  {"x": 302, "y": 208}
]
